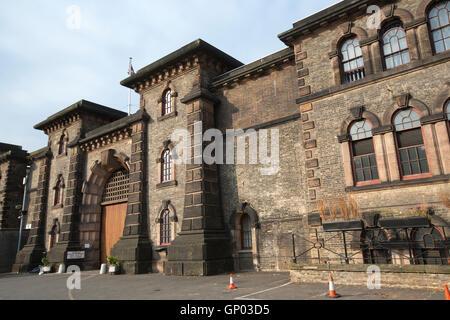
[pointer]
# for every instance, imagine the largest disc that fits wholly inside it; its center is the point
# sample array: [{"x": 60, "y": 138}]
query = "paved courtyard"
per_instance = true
[{"x": 250, "y": 286}]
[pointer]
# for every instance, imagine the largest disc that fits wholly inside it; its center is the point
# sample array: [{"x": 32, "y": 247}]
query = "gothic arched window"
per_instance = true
[
  {"x": 363, "y": 152},
  {"x": 167, "y": 102},
  {"x": 428, "y": 246},
  {"x": 395, "y": 46},
  {"x": 439, "y": 19},
  {"x": 410, "y": 143},
  {"x": 165, "y": 231},
  {"x": 166, "y": 166},
  {"x": 352, "y": 60}
]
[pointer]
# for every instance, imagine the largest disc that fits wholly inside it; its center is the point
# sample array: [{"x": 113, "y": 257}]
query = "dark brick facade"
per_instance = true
[{"x": 300, "y": 92}]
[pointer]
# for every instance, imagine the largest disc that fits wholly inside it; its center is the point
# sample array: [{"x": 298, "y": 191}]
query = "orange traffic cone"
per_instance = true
[
  {"x": 231, "y": 286},
  {"x": 447, "y": 293},
  {"x": 332, "y": 293}
]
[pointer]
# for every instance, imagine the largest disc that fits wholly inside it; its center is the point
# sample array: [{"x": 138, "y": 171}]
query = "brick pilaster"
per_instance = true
[{"x": 134, "y": 250}]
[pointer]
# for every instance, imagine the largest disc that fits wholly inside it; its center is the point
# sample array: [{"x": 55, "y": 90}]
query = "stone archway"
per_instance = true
[
  {"x": 245, "y": 258},
  {"x": 91, "y": 209}
]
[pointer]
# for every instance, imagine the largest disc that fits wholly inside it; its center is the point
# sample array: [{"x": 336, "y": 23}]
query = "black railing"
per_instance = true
[{"x": 354, "y": 75}]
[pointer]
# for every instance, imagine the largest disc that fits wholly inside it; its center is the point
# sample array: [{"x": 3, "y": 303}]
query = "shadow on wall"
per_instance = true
[{"x": 8, "y": 247}]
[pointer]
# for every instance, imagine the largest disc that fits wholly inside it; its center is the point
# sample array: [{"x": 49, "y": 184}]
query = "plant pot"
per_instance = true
[
  {"x": 47, "y": 269},
  {"x": 350, "y": 225},
  {"x": 113, "y": 269},
  {"x": 402, "y": 223}
]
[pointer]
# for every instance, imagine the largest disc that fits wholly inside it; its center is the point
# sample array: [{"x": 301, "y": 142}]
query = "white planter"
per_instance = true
[
  {"x": 113, "y": 269},
  {"x": 47, "y": 269}
]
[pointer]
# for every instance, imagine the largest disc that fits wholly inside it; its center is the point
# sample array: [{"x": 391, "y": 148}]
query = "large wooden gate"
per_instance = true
[{"x": 113, "y": 220}]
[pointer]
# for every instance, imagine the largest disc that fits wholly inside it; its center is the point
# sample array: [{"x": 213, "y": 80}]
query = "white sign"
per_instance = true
[
  {"x": 28, "y": 226},
  {"x": 75, "y": 255}
]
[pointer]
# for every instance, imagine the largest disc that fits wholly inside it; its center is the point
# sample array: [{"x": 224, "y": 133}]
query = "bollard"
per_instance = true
[{"x": 103, "y": 268}]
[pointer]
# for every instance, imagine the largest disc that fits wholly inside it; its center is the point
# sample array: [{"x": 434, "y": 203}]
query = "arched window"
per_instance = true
[
  {"x": 246, "y": 232},
  {"x": 373, "y": 245},
  {"x": 352, "y": 60},
  {"x": 363, "y": 152},
  {"x": 429, "y": 246},
  {"x": 166, "y": 166},
  {"x": 439, "y": 19},
  {"x": 58, "y": 200},
  {"x": 62, "y": 144},
  {"x": 410, "y": 144},
  {"x": 167, "y": 102},
  {"x": 52, "y": 237},
  {"x": 395, "y": 46},
  {"x": 164, "y": 235}
]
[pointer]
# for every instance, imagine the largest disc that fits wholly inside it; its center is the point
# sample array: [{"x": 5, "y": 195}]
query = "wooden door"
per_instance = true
[{"x": 113, "y": 221}]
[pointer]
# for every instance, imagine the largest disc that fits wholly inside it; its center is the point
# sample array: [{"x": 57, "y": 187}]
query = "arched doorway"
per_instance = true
[
  {"x": 114, "y": 210},
  {"x": 373, "y": 245},
  {"x": 429, "y": 246}
]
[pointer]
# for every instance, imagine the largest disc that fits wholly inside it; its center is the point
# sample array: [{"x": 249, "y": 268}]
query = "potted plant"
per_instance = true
[
  {"x": 47, "y": 267},
  {"x": 113, "y": 265},
  {"x": 340, "y": 214}
]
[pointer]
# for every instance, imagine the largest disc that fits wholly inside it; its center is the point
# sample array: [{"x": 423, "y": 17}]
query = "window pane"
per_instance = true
[
  {"x": 434, "y": 23},
  {"x": 405, "y": 57},
  {"x": 389, "y": 63},
  {"x": 387, "y": 49},
  {"x": 437, "y": 35},
  {"x": 424, "y": 166},
  {"x": 415, "y": 167},
  {"x": 412, "y": 154},
  {"x": 373, "y": 160},
  {"x": 374, "y": 173},
  {"x": 446, "y": 31},
  {"x": 394, "y": 44},
  {"x": 421, "y": 152},
  {"x": 358, "y": 163},
  {"x": 359, "y": 175},
  {"x": 397, "y": 60},
  {"x": 403, "y": 155},
  {"x": 403, "y": 43},
  {"x": 367, "y": 174},
  {"x": 405, "y": 169},
  {"x": 443, "y": 17},
  {"x": 447, "y": 44},
  {"x": 365, "y": 162}
]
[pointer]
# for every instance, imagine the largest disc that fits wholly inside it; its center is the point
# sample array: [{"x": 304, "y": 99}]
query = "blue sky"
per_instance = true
[{"x": 48, "y": 63}]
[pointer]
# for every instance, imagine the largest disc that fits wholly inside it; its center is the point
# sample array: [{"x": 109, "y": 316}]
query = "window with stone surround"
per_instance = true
[
  {"x": 166, "y": 166},
  {"x": 167, "y": 102},
  {"x": 58, "y": 197},
  {"x": 352, "y": 60},
  {"x": 410, "y": 144},
  {"x": 363, "y": 152},
  {"x": 165, "y": 230},
  {"x": 395, "y": 46},
  {"x": 439, "y": 22}
]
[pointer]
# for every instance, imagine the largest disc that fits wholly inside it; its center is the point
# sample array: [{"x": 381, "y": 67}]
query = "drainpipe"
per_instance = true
[{"x": 23, "y": 212}]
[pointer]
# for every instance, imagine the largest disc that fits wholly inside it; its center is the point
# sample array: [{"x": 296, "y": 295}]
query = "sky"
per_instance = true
[{"x": 55, "y": 53}]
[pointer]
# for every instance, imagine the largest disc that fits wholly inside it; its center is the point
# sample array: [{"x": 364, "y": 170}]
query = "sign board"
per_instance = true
[
  {"x": 28, "y": 226},
  {"x": 75, "y": 255}
]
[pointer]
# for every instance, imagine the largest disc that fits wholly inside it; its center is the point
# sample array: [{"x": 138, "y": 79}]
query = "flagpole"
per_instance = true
[{"x": 129, "y": 91}]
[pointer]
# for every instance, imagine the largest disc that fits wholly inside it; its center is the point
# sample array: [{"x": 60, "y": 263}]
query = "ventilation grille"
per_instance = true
[{"x": 116, "y": 189}]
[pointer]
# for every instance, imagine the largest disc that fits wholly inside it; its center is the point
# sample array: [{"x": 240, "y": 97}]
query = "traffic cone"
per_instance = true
[
  {"x": 332, "y": 293},
  {"x": 447, "y": 293},
  {"x": 231, "y": 286}
]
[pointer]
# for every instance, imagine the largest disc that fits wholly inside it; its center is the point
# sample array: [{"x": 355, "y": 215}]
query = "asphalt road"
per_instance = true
[{"x": 250, "y": 286}]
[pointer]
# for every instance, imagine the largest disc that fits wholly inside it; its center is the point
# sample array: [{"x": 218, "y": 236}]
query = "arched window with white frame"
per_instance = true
[
  {"x": 165, "y": 228},
  {"x": 352, "y": 60},
  {"x": 439, "y": 22},
  {"x": 395, "y": 46},
  {"x": 167, "y": 102},
  {"x": 166, "y": 166}
]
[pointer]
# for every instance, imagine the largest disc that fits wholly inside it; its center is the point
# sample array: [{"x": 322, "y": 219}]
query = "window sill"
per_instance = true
[
  {"x": 168, "y": 116},
  {"x": 162, "y": 247},
  {"x": 400, "y": 183},
  {"x": 57, "y": 206},
  {"x": 172, "y": 183},
  {"x": 368, "y": 183}
]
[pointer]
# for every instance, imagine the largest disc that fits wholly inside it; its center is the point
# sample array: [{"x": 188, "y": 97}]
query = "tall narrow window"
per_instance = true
[
  {"x": 166, "y": 166},
  {"x": 58, "y": 193},
  {"x": 363, "y": 152},
  {"x": 167, "y": 102},
  {"x": 395, "y": 46},
  {"x": 352, "y": 60},
  {"x": 165, "y": 227},
  {"x": 62, "y": 144},
  {"x": 246, "y": 232},
  {"x": 410, "y": 144},
  {"x": 439, "y": 18}
]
